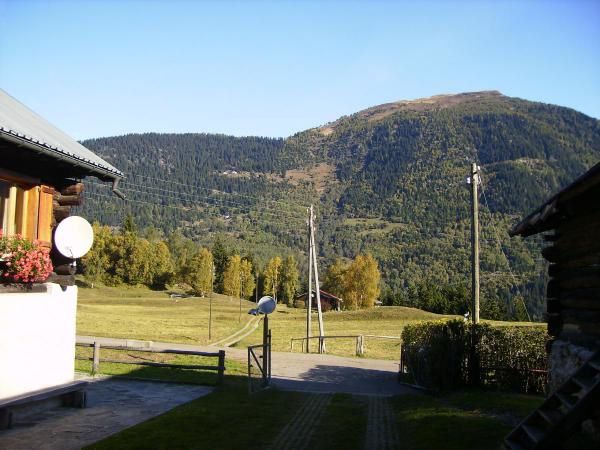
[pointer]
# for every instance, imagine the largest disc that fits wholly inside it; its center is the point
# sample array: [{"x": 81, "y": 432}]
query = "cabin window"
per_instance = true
[{"x": 26, "y": 210}]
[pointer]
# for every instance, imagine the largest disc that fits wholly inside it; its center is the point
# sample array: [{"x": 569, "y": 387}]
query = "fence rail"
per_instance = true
[
  {"x": 96, "y": 359},
  {"x": 360, "y": 341}
]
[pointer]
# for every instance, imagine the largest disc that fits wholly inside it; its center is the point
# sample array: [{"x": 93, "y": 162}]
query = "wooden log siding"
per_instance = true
[
  {"x": 573, "y": 291},
  {"x": 64, "y": 198}
]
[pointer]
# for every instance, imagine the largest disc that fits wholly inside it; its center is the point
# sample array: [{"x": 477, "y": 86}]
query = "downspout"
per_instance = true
[{"x": 116, "y": 191}]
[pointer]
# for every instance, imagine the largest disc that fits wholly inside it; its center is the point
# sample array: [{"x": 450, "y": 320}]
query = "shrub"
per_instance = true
[
  {"x": 447, "y": 354},
  {"x": 23, "y": 261}
]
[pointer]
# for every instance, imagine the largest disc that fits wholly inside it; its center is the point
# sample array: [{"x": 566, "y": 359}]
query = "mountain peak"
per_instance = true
[{"x": 436, "y": 102}]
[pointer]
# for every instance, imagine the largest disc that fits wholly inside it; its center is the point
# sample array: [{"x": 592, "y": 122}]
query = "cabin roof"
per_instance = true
[
  {"x": 21, "y": 125},
  {"x": 546, "y": 216},
  {"x": 323, "y": 294}
]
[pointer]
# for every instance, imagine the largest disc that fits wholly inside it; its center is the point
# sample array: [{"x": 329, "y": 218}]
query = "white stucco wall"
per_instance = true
[{"x": 37, "y": 339}]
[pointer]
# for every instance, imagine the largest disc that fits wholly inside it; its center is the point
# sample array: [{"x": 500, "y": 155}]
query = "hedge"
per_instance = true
[{"x": 443, "y": 355}]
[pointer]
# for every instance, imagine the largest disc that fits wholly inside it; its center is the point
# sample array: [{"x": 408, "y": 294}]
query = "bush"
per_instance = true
[{"x": 447, "y": 354}]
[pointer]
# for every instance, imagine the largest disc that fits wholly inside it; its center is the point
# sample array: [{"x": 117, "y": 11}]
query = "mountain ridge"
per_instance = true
[{"x": 389, "y": 180}]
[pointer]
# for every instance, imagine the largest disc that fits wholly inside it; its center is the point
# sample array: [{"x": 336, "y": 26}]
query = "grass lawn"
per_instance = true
[
  {"x": 139, "y": 313},
  {"x": 462, "y": 420}
]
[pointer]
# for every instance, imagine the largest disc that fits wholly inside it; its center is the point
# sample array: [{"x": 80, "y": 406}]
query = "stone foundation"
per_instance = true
[{"x": 564, "y": 359}]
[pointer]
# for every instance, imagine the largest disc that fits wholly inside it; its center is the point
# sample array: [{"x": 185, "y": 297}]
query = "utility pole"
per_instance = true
[
  {"x": 309, "y": 292},
  {"x": 475, "y": 179},
  {"x": 313, "y": 264},
  {"x": 241, "y": 290}
]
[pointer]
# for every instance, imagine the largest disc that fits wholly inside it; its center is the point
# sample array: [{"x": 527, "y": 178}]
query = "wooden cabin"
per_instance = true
[
  {"x": 329, "y": 302},
  {"x": 40, "y": 172},
  {"x": 571, "y": 221},
  {"x": 41, "y": 169}
]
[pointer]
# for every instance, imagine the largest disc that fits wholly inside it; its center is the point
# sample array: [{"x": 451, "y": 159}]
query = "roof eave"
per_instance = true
[
  {"x": 103, "y": 173},
  {"x": 543, "y": 218}
]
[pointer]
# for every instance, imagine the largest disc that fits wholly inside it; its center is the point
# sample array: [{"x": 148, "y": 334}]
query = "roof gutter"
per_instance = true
[{"x": 54, "y": 152}]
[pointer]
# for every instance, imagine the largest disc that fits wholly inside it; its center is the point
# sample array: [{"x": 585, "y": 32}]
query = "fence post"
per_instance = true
[
  {"x": 96, "y": 358},
  {"x": 249, "y": 371},
  {"x": 221, "y": 374},
  {"x": 362, "y": 345}
]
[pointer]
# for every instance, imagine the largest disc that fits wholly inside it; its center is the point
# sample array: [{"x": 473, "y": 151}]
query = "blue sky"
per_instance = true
[{"x": 272, "y": 68}]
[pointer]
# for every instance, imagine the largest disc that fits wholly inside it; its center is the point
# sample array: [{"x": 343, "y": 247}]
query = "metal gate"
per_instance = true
[{"x": 259, "y": 365}]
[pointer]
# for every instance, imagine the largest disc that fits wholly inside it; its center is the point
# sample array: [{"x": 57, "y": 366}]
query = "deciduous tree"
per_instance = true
[
  {"x": 200, "y": 272},
  {"x": 272, "y": 277}
]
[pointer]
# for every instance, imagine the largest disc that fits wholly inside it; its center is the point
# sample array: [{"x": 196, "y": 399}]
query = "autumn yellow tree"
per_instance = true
[
  {"x": 199, "y": 272},
  {"x": 361, "y": 283},
  {"x": 272, "y": 276},
  {"x": 289, "y": 280},
  {"x": 231, "y": 277},
  {"x": 247, "y": 278}
]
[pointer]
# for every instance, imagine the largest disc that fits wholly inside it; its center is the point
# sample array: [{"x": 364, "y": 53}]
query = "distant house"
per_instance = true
[
  {"x": 329, "y": 301},
  {"x": 40, "y": 180}
]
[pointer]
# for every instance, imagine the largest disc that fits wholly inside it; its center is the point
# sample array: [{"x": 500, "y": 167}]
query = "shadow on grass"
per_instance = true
[{"x": 228, "y": 418}]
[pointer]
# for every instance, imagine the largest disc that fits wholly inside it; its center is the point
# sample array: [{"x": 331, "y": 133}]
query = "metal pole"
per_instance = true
[
  {"x": 475, "y": 243},
  {"x": 265, "y": 349},
  {"x": 212, "y": 283}
]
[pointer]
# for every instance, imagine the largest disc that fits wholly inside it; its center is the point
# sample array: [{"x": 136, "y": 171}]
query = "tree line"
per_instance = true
[{"x": 128, "y": 256}]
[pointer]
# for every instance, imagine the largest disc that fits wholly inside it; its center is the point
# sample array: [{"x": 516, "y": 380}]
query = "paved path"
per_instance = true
[
  {"x": 112, "y": 405},
  {"x": 381, "y": 427},
  {"x": 296, "y": 435}
]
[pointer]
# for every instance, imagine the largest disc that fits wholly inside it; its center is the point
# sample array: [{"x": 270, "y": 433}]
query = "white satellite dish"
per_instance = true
[
  {"x": 266, "y": 305},
  {"x": 74, "y": 237}
]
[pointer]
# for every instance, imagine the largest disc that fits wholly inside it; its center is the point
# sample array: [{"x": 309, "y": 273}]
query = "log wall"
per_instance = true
[{"x": 574, "y": 288}]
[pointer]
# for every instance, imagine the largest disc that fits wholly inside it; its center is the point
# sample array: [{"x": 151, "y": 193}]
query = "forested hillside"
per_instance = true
[{"x": 390, "y": 180}]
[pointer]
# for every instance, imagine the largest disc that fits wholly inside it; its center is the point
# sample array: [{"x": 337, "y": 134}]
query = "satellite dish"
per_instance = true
[
  {"x": 266, "y": 305},
  {"x": 74, "y": 237}
]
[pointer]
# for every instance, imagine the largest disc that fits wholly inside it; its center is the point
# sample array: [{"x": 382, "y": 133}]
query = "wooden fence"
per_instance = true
[
  {"x": 360, "y": 341},
  {"x": 96, "y": 359}
]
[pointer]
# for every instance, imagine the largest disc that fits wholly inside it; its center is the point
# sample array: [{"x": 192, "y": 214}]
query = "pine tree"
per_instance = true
[
  {"x": 333, "y": 279},
  {"x": 220, "y": 258}
]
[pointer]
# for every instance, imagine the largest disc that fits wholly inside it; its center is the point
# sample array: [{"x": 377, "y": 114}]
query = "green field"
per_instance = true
[{"x": 140, "y": 313}]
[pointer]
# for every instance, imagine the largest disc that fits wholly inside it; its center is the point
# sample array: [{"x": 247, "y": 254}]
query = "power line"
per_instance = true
[
  {"x": 193, "y": 196},
  {"x": 191, "y": 209},
  {"x": 215, "y": 190},
  {"x": 504, "y": 254},
  {"x": 208, "y": 201}
]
